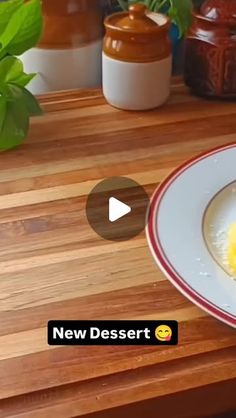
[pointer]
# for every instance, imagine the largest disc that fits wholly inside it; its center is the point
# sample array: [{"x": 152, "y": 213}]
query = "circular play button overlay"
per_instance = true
[{"x": 116, "y": 208}]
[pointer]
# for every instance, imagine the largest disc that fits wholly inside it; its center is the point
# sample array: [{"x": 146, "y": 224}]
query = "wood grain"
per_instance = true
[{"x": 53, "y": 266}]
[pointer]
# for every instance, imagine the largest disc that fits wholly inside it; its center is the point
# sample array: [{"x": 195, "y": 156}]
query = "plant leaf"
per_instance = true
[
  {"x": 27, "y": 100},
  {"x": 10, "y": 32},
  {"x": 20, "y": 29},
  {"x": 25, "y": 79},
  {"x": 180, "y": 13},
  {"x": 30, "y": 30},
  {"x": 8, "y": 8},
  {"x": 15, "y": 125},
  {"x": 10, "y": 68},
  {"x": 24, "y": 29},
  {"x": 123, "y": 4},
  {"x": 2, "y": 110},
  {"x": 11, "y": 71},
  {"x": 30, "y": 102},
  {"x": 15, "y": 115}
]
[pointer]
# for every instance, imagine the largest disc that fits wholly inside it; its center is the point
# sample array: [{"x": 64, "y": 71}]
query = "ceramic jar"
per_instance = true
[
  {"x": 210, "y": 61},
  {"x": 70, "y": 52},
  {"x": 136, "y": 59}
]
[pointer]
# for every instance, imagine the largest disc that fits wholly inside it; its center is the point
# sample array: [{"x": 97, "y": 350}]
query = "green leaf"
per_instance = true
[
  {"x": 11, "y": 71},
  {"x": 31, "y": 28},
  {"x": 4, "y": 91},
  {"x": 30, "y": 102},
  {"x": 25, "y": 79},
  {"x": 24, "y": 29},
  {"x": 26, "y": 99},
  {"x": 123, "y": 4},
  {"x": 180, "y": 13},
  {"x": 20, "y": 29},
  {"x": 10, "y": 32},
  {"x": 15, "y": 125},
  {"x": 15, "y": 114},
  {"x": 2, "y": 110},
  {"x": 10, "y": 68},
  {"x": 8, "y": 8}
]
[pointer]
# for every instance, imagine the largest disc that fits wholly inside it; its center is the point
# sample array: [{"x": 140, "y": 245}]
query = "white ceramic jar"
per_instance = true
[
  {"x": 137, "y": 59},
  {"x": 69, "y": 54}
]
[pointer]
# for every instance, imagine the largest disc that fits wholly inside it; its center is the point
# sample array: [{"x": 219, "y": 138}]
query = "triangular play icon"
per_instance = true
[{"x": 117, "y": 209}]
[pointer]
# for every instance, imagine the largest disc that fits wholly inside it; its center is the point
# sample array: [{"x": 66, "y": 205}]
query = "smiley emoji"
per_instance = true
[{"x": 163, "y": 333}]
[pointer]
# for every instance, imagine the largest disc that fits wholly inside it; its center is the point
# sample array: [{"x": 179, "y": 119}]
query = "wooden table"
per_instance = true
[{"x": 54, "y": 266}]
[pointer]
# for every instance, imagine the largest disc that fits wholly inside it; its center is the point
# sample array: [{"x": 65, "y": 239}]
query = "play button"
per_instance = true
[{"x": 116, "y": 208}]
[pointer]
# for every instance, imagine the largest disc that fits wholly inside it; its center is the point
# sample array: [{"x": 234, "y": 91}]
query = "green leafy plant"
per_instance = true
[
  {"x": 178, "y": 10},
  {"x": 21, "y": 25}
]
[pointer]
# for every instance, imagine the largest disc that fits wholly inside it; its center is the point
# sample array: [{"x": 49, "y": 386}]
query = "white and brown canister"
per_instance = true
[
  {"x": 69, "y": 54},
  {"x": 137, "y": 59}
]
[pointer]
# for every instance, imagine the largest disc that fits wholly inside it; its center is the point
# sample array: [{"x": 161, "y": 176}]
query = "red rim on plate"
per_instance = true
[{"x": 161, "y": 257}]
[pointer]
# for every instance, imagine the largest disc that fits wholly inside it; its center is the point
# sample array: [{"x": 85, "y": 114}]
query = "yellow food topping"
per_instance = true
[{"x": 232, "y": 247}]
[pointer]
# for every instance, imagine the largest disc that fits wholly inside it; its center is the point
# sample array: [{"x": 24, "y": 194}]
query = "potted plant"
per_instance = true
[{"x": 20, "y": 29}]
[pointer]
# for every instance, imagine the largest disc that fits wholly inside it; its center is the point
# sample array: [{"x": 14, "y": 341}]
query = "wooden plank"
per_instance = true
[{"x": 53, "y": 265}]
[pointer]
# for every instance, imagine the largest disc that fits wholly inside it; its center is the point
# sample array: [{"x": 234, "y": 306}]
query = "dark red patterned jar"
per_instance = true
[{"x": 210, "y": 60}]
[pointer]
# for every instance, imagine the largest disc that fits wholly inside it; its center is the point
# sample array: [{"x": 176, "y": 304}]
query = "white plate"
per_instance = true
[{"x": 188, "y": 220}]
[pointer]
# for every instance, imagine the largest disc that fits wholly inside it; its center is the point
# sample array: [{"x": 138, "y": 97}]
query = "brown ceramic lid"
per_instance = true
[
  {"x": 219, "y": 10},
  {"x": 135, "y": 21},
  {"x": 134, "y": 37}
]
